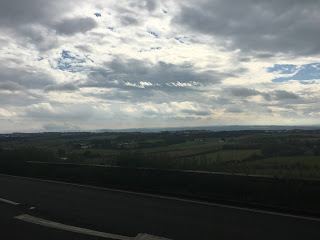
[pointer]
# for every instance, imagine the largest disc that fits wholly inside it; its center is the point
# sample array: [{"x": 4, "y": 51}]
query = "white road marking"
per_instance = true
[
  {"x": 61, "y": 226},
  {"x": 9, "y": 201},
  {"x": 143, "y": 236},
  {"x": 46, "y": 223},
  {"x": 175, "y": 199}
]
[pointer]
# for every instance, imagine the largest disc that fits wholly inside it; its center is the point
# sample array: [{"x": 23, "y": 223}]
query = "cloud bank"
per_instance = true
[{"x": 121, "y": 64}]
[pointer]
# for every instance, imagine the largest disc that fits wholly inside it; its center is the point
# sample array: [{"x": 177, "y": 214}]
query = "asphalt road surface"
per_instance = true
[{"x": 38, "y": 209}]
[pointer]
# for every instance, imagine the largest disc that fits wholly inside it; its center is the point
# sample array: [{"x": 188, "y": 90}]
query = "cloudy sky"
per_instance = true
[{"x": 68, "y": 65}]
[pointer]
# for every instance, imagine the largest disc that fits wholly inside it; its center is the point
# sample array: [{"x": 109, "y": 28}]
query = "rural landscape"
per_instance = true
[
  {"x": 271, "y": 169},
  {"x": 277, "y": 153},
  {"x": 159, "y": 120}
]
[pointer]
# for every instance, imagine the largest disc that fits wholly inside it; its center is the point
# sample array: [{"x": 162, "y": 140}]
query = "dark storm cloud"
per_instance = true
[
  {"x": 67, "y": 87},
  {"x": 72, "y": 26},
  {"x": 262, "y": 27}
]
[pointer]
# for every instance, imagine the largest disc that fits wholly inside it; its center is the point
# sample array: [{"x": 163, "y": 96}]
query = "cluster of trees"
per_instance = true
[
  {"x": 139, "y": 140},
  {"x": 291, "y": 148},
  {"x": 139, "y": 159},
  {"x": 17, "y": 158},
  {"x": 27, "y": 154}
]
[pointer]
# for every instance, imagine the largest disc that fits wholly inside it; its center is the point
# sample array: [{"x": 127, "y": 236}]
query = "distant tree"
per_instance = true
[{"x": 61, "y": 152}]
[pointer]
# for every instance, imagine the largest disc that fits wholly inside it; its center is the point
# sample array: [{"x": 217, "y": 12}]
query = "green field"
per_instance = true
[
  {"x": 232, "y": 155},
  {"x": 292, "y": 154},
  {"x": 295, "y": 166}
]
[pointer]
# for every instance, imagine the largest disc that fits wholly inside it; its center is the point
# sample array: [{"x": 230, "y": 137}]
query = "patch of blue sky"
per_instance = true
[
  {"x": 66, "y": 54},
  {"x": 90, "y": 59},
  {"x": 164, "y": 11},
  {"x": 283, "y": 68},
  {"x": 180, "y": 39},
  {"x": 305, "y": 74},
  {"x": 111, "y": 29},
  {"x": 39, "y": 59},
  {"x": 70, "y": 63},
  {"x": 151, "y": 49},
  {"x": 153, "y": 33},
  {"x": 97, "y": 14}
]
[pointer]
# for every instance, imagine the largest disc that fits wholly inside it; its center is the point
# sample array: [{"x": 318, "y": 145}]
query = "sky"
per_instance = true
[{"x": 85, "y": 65}]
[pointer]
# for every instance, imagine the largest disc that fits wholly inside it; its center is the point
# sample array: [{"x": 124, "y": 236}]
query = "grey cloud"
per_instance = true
[
  {"x": 128, "y": 20},
  {"x": 67, "y": 87},
  {"x": 262, "y": 27},
  {"x": 150, "y": 113},
  {"x": 84, "y": 48},
  {"x": 264, "y": 55},
  {"x": 196, "y": 112},
  {"x": 3, "y": 43},
  {"x": 30, "y": 79},
  {"x": 244, "y": 59},
  {"x": 75, "y": 112},
  {"x": 281, "y": 95},
  {"x": 266, "y": 96},
  {"x": 243, "y": 92},
  {"x": 33, "y": 21},
  {"x": 271, "y": 95},
  {"x": 41, "y": 37},
  {"x": 71, "y": 26},
  {"x": 10, "y": 86},
  {"x": 18, "y": 99},
  {"x": 134, "y": 80},
  {"x": 60, "y": 127},
  {"x": 15, "y": 13},
  {"x": 234, "y": 109},
  {"x": 151, "y": 5},
  {"x": 126, "y": 74}
]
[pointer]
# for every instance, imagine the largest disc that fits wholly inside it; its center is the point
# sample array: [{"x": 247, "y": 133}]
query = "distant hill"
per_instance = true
[{"x": 214, "y": 128}]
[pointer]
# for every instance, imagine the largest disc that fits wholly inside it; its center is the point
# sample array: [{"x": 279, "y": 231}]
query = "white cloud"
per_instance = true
[
  {"x": 5, "y": 113},
  {"x": 137, "y": 65}
]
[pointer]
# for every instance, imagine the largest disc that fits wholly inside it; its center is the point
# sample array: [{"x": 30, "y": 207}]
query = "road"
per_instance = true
[{"x": 52, "y": 210}]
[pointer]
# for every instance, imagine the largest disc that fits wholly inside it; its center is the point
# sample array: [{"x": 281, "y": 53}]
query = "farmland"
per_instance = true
[{"x": 291, "y": 154}]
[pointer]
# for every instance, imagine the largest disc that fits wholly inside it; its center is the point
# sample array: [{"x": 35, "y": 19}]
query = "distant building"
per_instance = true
[
  {"x": 84, "y": 146},
  {"x": 199, "y": 140}
]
